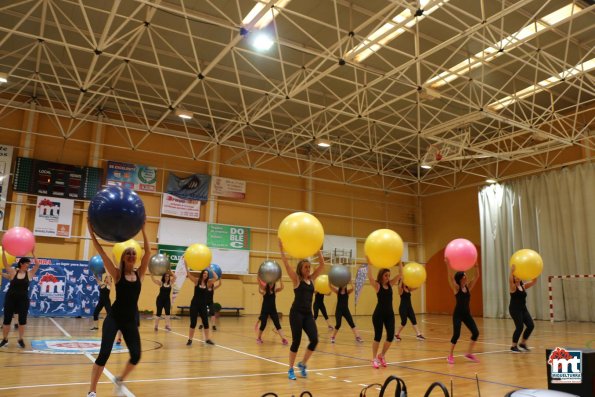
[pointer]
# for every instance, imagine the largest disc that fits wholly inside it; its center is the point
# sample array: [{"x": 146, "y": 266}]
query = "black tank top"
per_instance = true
[
  {"x": 406, "y": 296},
  {"x": 319, "y": 299},
  {"x": 19, "y": 287},
  {"x": 463, "y": 299},
  {"x": 104, "y": 292},
  {"x": 269, "y": 297},
  {"x": 385, "y": 300},
  {"x": 303, "y": 297},
  {"x": 164, "y": 291},
  {"x": 342, "y": 298},
  {"x": 210, "y": 295},
  {"x": 127, "y": 293},
  {"x": 200, "y": 294},
  {"x": 518, "y": 299}
]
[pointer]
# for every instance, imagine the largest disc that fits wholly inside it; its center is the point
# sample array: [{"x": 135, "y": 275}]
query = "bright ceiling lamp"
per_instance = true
[
  {"x": 184, "y": 114},
  {"x": 391, "y": 30},
  {"x": 323, "y": 143},
  {"x": 262, "y": 41},
  {"x": 3, "y": 78},
  {"x": 267, "y": 18},
  {"x": 508, "y": 43},
  {"x": 544, "y": 84}
]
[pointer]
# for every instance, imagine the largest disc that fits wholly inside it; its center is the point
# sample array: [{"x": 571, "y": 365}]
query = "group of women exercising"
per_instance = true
[{"x": 122, "y": 315}]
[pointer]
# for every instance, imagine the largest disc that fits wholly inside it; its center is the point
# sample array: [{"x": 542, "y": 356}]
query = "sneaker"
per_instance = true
[
  {"x": 515, "y": 349},
  {"x": 375, "y": 363},
  {"x": 91, "y": 394},
  {"x": 259, "y": 341},
  {"x": 471, "y": 356},
  {"x": 189, "y": 342},
  {"x": 4, "y": 342},
  {"x": 214, "y": 328},
  {"x": 381, "y": 360},
  {"x": 209, "y": 342},
  {"x": 119, "y": 386},
  {"x": 284, "y": 341},
  {"x": 524, "y": 347},
  {"x": 398, "y": 338},
  {"x": 420, "y": 337},
  {"x": 358, "y": 339},
  {"x": 291, "y": 374},
  {"x": 21, "y": 343},
  {"x": 200, "y": 326},
  {"x": 156, "y": 328},
  {"x": 332, "y": 340},
  {"x": 302, "y": 368},
  {"x": 331, "y": 328},
  {"x": 94, "y": 328},
  {"x": 167, "y": 328},
  {"x": 450, "y": 359}
]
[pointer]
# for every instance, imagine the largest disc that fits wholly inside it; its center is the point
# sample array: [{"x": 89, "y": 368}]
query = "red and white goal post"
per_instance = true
[{"x": 550, "y": 288}]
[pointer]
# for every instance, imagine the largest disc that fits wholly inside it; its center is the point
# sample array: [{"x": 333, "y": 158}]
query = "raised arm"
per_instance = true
[
  {"x": 350, "y": 288},
  {"x": 144, "y": 263},
  {"x": 217, "y": 284},
  {"x": 319, "y": 268},
  {"x": 450, "y": 277},
  {"x": 9, "y": 269},
  {"x": 476, "y": 278},
  {"x": 189, "y": 275},
  {"x": 511, "y": 284},
  {"x": 107, "y": 262},
  {"x": 530, "y": 284},
  {"x": 290, "y": 272},
  {"x": 399, "y": 275},
  {"x": 373, "y": 282},
  {"x": 158, "y": 282},
  {"x": 281, "y": 286},
  {"x": 97, "y": 279},
  {"x": 334, "y": 289},
  {"x": 213, "y": 280}
]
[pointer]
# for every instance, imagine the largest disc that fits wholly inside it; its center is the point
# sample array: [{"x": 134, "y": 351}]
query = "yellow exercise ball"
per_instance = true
[
  {"x": 119, "y": 248},
  {"x": 528, "y": 264},
  {"x": 414, "y": 275},
  {"x": 322, "y": 285},
  {"x": 198, "y": 257},
  {"x": 302, "y": 234},
  {"x": 384, "y": 248},
  {"x": 9, "y": 258}
]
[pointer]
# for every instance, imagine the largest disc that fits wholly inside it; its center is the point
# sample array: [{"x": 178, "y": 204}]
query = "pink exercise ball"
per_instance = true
[
  {"x": 461, "y": 254},
  {"x": 18, "y": 241}
]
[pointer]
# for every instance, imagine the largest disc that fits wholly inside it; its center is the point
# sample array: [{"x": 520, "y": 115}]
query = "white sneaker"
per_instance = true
[
  {"x": 91, "y": 394},
  {"x": 119, "y": 387}
]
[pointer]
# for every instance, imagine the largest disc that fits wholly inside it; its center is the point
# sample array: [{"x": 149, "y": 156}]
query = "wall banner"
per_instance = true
[
  {"x": 136, "y": 177},
  {"x": 53, "y": 217},
  {"x": 173, "y": 252},
  {"x": 5, "y": 163},
  {"x": 229, "y": 237},
  {"x": 175, "y": 206},
  {"x": 194, "y": 187},
  {"x": 226, "y": 187}
]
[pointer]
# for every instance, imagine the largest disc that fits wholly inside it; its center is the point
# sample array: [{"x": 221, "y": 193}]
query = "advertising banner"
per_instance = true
[
  {"x": 5, "y": 163},
  {"x": 136, "y": 177},
  {"x": 226, "y": 187},
  {"x": 53, "y": 217},
  {"x": 194, "y": 187},
  {"x": 229, "y": 237},
  {"x": 175, "y": 206}
]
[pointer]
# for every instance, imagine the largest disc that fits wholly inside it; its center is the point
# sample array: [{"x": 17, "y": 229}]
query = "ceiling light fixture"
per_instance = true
[
  {"x": 266, "y": 18},
  {"x": 262, "y": 41},
  {"x": 323, "y": 143},
  {"x": 426, "y": 166},
  {"x": 492, "y": 181},
  {"x": 3, "y": 78},
  {"x": 184, "y": 114}
]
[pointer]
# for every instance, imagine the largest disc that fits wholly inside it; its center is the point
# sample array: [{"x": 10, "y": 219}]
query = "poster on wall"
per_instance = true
[
  {"x": 228, "y": 237},
  {"x": 136, "y": 177},
  {"x": 226, "y": 187},
  {"x": 173, "y": 252},
  {"x": 194, "y": 187},
  {"x": 61, "y": 288},
  {"x": 53, "y": 217},
  {"x": 184, "y": 208},
  {"x": 5, "y": 163}
]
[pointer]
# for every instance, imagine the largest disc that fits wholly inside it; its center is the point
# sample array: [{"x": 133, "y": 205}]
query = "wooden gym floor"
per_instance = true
[{"x": 237, "y": 366}]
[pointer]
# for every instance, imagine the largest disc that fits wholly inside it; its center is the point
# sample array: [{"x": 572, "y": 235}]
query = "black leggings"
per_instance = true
[
  {"x": 103, "y": 302},
  {"x": 163, "y": 303},
  {"x": 406, "y": 312},
  {"x": 343, "y": 312},
  {"x": 521, "y": 317},
  {"x": 265, "y": 314},
  {"x": 299, "y": 321},
  {"x": 197, "y": 309},
  {"x": 108, "y": 334},
  {"x": 387, "y": 320},
  {"x": 322, "y": 309},
  {"x": 16, "y": 305},
  {"x": 466, "y": 319}
]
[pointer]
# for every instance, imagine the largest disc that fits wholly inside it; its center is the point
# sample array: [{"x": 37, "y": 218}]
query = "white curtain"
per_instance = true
[{"x": 554, "y": 214}]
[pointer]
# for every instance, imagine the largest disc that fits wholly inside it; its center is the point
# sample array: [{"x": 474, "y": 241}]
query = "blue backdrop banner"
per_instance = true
[
  {"x": 194, "y": 187},
  {"x": 61, "y": 288}
]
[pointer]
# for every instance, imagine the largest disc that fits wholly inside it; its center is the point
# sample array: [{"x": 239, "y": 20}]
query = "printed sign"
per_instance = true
[
  {"x": 175, "y": 206},
  {"x": 53, "y": 217},
  {"x": 226, "y": 187},
  {"x": 173, "y": 252},
  {"x": 565, "y": 366},
  {"x": 5, "y": 162},
  {"x": 230, "y": 237},
  {"x": 194, "y": 187},
  {"x": 136, "y": 177}
]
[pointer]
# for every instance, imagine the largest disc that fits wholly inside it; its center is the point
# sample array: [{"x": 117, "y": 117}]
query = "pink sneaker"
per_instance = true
[
  {"x": 332, "y": 340},
  {"x": 450, "y": 359},
  {"x": 259, "y": 341},
  {"x": 284, "y": 341},
  {"x": 375, "y": 363},
  {"x": 358, "y": 339},
  {"x": 381, "y": 360},
  {"x": 471, "y": 357}
]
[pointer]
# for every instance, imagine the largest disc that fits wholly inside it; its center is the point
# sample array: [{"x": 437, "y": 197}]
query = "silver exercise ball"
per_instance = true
[
  {"x": 159, "y": 265},
  {"x": 339, "y": 275},
  {"x": 269, "y": 272}
]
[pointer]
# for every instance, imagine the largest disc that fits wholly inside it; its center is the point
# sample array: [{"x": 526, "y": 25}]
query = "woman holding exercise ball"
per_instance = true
[{"x": 518, "y": 311}]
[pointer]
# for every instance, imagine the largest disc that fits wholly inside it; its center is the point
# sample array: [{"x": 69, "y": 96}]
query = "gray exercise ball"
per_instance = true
[
  {"x": 339, "y": 275},
  {"x": 269, "y": 271},
  {"x": 159, "y": 265}
]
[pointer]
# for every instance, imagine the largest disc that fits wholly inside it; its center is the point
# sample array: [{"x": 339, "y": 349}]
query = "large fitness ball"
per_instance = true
[
  {"x": 96, "y": 265},
  {"x": 198, "y": 257},
  {"x": 339, "y": 276},
  {"x": 18, "y": 241},
  {"x": 159, "y": 265},
  {"x": 119, "y": 249},
  {"x": 322, "y": 285},
  {"x": 414, "y": 275},
  {"x": 116, "y": 213},
  {"x": 216, "y": 268},
  {"x": 528, "y": 264},
  {"x": 10, "y": 259},
  {"x": 269, "y": 272},
  {"x": 302, "y": 234},
  {"x": 384, "y": 248},
  {"x": 461, "y": 254}
]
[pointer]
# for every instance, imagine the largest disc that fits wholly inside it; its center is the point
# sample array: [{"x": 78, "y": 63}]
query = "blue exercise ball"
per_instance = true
[
  {"x": 96, "y": 265},
  {"x": 217, "y": 270},
  {"x": 116, "y": 213}
]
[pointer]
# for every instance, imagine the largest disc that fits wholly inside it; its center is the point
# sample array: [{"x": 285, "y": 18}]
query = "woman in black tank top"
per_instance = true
[
  {"x": 300, "y": 315},
  {"x": 384, "y": 315},
  {"x": 200, "y": 301},
  {"x": 342, "y": 310},
  {"x": 163, "y": 301},
  {"x": 406, "y": 308},
  {"x": 127, "y": 282},
  {"x": 268, "y": 309},
  {"x": 104, "y": 299},
  {"x": 461, "y": 288},
  {"x": 518, "y": 311},
  {"x": 17, "y": 296}
]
